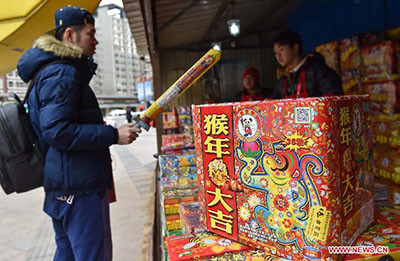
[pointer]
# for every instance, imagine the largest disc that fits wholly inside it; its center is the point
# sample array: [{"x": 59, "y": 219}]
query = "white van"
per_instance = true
[{"x": 117, "y": 118}]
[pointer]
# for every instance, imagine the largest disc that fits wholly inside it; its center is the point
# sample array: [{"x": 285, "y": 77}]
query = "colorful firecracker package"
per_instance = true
[
  {"x": 330, "y": 51},
  {"x": 385, "y": 232},
  {"x": 389, "y": 214},
  {"x": 190, "y": 218},
  {"x": 185, "y": 119},
  {"x": 170, "y": 120},
  {"x": 170, "y": 164},
  {"x": 387, "y": 163},
  {"x": 290, "y": 177},
  {"x": 384, "y": 97},
  {"x": 349, "y": 53},
  {"x": 386, "y": 130},
  {"x": 172, "y": 199},
  {"x": 173, "y": 222},
  {"x": 200, "y": 245},
  {"x": 248, "y": 255},
  {"x": 378, "y": 235},
  {"x": 351, "y": 82},
  {"x": 378, "y": 62}
]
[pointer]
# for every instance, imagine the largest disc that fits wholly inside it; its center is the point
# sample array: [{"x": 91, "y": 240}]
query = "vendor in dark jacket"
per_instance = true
[
  {"x": 252, "y": 91},
  {"x": 306, "y": 76}
]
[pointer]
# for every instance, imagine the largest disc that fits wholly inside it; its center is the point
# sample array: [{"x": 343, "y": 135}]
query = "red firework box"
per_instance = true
[
  {"x": 290, "y": 177},
  {"x": 200, "y": 246}
]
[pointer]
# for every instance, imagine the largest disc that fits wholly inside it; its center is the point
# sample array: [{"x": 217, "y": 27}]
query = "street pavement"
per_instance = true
[{"x": 26, "y": 231}]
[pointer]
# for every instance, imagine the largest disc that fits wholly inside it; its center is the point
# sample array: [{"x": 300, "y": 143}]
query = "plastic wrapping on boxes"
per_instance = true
[
  {"x": 386, "y": 130},
  {"x": 384, "y": 97},
  {"x": 379, "y": 62},
  {"x": 351, "y": 82},
  {"x": 190, "y": 218},
  {"x": 350, "y": 53},
  {"x": 387, "y": 164},
  {"x": 293, "y": 176}
]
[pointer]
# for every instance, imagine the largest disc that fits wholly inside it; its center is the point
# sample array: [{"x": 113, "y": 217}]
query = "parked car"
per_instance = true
[{"x": 117, "y": 118}]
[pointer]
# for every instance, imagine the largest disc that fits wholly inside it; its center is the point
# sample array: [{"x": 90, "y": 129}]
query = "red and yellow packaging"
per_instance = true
[
  {"x": 384, "y": 97},
  {"x": 387, "y": 164},
  {"x": 379, "y": 62},
  {"x": 350, "y": 53},
  {"x": 288, "y": 176},
  {"x": 330, "y": 51},
  {"x": 200, "y": 245},
  {"x": 248, "y": 255},
  {"x": 386, "y": 130},
  {"x": 351, "y": 82},
  {"x": 384, "y": 232}
]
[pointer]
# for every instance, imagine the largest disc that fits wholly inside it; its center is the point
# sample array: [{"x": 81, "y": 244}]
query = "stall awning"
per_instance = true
[
  {"x": 22, "y": 21},
  {"x": 193, "y": 25}
]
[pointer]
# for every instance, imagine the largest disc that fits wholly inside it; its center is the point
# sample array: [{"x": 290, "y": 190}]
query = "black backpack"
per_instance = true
[{"x": 21, "y": 160}]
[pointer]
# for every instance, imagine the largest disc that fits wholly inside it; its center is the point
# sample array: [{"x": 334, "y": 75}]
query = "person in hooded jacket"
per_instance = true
[
  {"x": 252, "y": 90},
  {"x": 305, "y": 76},
  {"x": 67, "y": 120}
]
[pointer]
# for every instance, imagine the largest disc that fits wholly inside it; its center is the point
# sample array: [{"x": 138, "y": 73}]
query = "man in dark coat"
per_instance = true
[
  {"x": 305, "y": 76},
  {"x": 67, "y": 120}
]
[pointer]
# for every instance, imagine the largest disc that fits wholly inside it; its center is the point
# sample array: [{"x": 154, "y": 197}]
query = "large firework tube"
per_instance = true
[{"x": 179, "y": 87}]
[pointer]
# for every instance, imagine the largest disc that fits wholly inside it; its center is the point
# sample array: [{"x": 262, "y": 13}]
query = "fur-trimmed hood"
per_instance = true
[
  {"x": 50, "y": 44},
  {"x": 47, "y": 49}
]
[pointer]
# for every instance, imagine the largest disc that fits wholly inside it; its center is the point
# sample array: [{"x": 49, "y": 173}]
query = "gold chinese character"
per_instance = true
[
  {"x": 348, "y": 184},
  {"x": 216, "y": 124},
  {"x": 348, "y": 204},
  {"x": 220, "y": 218},
  {"x": 215, "y": 146},
  {"x": 219, "y": 198},
  {"x": 345, "y": 134},
  {"x": 344, "y": 116}
]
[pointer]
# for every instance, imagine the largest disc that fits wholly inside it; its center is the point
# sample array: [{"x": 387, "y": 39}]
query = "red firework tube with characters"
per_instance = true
[{"x": 179, "y": 87}]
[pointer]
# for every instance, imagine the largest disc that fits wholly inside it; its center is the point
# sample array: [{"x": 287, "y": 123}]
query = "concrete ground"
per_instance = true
[{"x": 26, "y": 231}]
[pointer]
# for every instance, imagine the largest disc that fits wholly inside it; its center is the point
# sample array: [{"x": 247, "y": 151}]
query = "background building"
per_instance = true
[
  {"x": 119, "y": 66},
  {"x": 118, "y": 63}
]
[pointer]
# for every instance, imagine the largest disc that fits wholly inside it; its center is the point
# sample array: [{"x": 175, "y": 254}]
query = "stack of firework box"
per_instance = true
[
  {"x": 180, "y": 211},
  {"x": 287, "y": 177},
  {"x": 177, "y": 130},
  {"x": 370, "y": 64}
]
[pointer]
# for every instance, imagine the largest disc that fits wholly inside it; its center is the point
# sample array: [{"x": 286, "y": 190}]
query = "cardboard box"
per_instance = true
[
  {"x": 200, "y": 245},
  {"x": 293, "y": 176}
]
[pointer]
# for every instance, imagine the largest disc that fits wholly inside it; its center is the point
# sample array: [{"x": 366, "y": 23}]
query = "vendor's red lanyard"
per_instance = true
[{"x": 301, "y": 84}]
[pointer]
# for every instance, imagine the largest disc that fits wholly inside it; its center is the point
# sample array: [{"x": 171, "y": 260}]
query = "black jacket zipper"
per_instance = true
[{"x": 7, "y": 133}]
